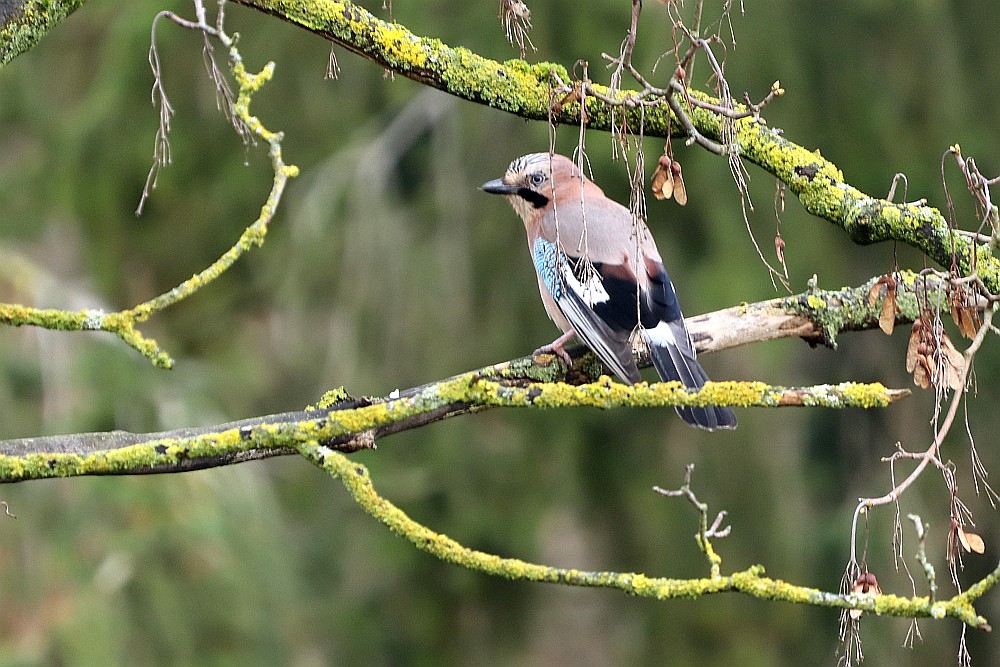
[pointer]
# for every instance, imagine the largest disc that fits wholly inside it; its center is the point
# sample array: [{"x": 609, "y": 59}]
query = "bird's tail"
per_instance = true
[{"x": 674, "y": 358}]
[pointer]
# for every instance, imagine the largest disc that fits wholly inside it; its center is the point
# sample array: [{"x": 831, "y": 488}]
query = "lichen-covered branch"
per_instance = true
[
  {"x": 123, "y": 323},
  {"x": 818, "y": 316},
  {"x": 751, "y": 582},
  {"x": 516, "y": 87},
  {"x": 356, "y": 424},
  {"x": 520, "y": 88},
  {"x": 24, "y": 22},
  {"x": 348, "y": 424}
]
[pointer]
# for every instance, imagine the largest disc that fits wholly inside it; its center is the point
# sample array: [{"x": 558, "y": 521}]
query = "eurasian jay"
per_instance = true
[{"x": 601, "y": 277}]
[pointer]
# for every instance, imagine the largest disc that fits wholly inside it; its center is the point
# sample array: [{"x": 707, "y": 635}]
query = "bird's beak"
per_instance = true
[{"x": 498, "y": 187}]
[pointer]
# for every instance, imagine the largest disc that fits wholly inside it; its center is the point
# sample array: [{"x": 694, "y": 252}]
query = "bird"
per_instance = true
[{"x": 601, "y": 277}]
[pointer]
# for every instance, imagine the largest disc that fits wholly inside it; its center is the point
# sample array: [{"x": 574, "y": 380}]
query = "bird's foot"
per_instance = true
[{"x": 556, "y": 347}]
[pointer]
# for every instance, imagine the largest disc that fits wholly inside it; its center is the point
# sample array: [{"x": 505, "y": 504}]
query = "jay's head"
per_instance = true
[{"x": 532, "y": 181}]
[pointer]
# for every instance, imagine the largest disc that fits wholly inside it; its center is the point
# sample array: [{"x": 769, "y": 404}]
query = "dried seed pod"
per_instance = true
[
  {"x": 663, "y": 178},
  {"x": 865, "y": 584},
  {"x": 966, "y": 317},
  {"x": 971, "y": 542},
  {"x": 680, "y": 192},
  {"x": 913, "y": 347}
]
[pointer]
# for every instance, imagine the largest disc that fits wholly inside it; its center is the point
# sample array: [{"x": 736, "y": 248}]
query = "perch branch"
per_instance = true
[{"x": 347, "y": 424}]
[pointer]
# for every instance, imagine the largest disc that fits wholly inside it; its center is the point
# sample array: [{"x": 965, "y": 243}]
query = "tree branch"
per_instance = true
[
  {"x": 522, "y": 89},
  {"x": 348, "y": 424},
  {"x": 750, "y": 582},
  {"x": 24, "y": 22},
  {"x": 123, "y": 323}
]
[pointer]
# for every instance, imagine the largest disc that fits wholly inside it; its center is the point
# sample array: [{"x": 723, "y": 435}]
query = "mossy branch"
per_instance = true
[
  {"x": 523, "y": 89},
  {"x": 357, "y": 423},
  {"x": 123, "y": 323},
  {"x": 348, "y": 424},
  {"x": 24, "y": 22},
  {"x": 516, "y": 87},
  {"x": 751, "y": 582}
]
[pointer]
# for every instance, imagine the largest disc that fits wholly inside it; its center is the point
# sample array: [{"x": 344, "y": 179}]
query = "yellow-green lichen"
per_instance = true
[
  {"x": 349, "y": 422},
  {"x": 872, "y": 395},
  {"x": 815, "y": 302},
  {"x": 751, "y": 582},
  {"x": 332, "y": 397},
  {"x": 26, "y": 25},
  {"x": 466, "y": 390}
]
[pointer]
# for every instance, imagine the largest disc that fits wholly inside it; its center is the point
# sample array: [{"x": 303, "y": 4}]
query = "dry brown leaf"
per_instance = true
[
  {"x": 922, "y": 373},
  {"x": 887, "y": 318},
  {"x": 968, "y": 323},
  {"x": 866, "y": 584},
  {"x": 954, "y": 364},
  {"x": 885, "y": 288},
  {"x": 874, "y": 292},
  {"x": 925, "y": 350}
]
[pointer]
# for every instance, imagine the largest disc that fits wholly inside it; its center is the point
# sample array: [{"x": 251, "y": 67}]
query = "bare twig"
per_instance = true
[
  {"x": 515, "y": 17},
  {"x": 705, "y": 532},
  {"x": 930, "y": 456}
]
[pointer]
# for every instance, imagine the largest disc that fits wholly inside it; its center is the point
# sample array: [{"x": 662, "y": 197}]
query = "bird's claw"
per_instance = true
[{"x": 556, "y": 348}]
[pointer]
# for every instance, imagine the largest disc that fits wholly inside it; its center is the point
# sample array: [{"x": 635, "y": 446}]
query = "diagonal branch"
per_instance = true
[
  {"x": 523, "y": 89},
  {"x": 24, "y": 22}
]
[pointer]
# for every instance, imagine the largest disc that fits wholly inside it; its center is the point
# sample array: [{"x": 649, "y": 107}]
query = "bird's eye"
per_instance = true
[{"x": 536, "y": 179}]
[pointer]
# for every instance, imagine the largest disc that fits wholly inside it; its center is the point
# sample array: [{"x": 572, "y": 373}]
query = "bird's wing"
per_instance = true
[{"x": 582, "y": 295}]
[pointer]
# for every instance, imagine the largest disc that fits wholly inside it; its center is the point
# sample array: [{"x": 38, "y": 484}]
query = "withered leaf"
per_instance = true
[
  {"x": 874, "y": 292},
  {"x": 866, "y": 584},
  {"x": 887, "y": 318},
  {"x": 932, "y": 358},
  {"x": 885, "y": 287},
  {"x": 922, "y": 372},
  {"x": 954, "y": 364}
]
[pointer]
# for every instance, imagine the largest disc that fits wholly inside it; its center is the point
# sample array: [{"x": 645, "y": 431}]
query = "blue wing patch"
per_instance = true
[{"x": 548, "y": 259}]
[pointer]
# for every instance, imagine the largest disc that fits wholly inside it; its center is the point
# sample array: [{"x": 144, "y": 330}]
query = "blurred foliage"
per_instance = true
[{"x": 386, "y": 268}]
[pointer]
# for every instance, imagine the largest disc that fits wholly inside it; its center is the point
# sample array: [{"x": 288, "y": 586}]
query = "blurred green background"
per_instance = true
[{"x": 386, "y": 268}]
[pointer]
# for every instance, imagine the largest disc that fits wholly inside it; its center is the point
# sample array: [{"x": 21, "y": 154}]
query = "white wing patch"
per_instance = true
[
  {"x": 592, "y": 291},
  {"x": 577, "y": 304}
]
